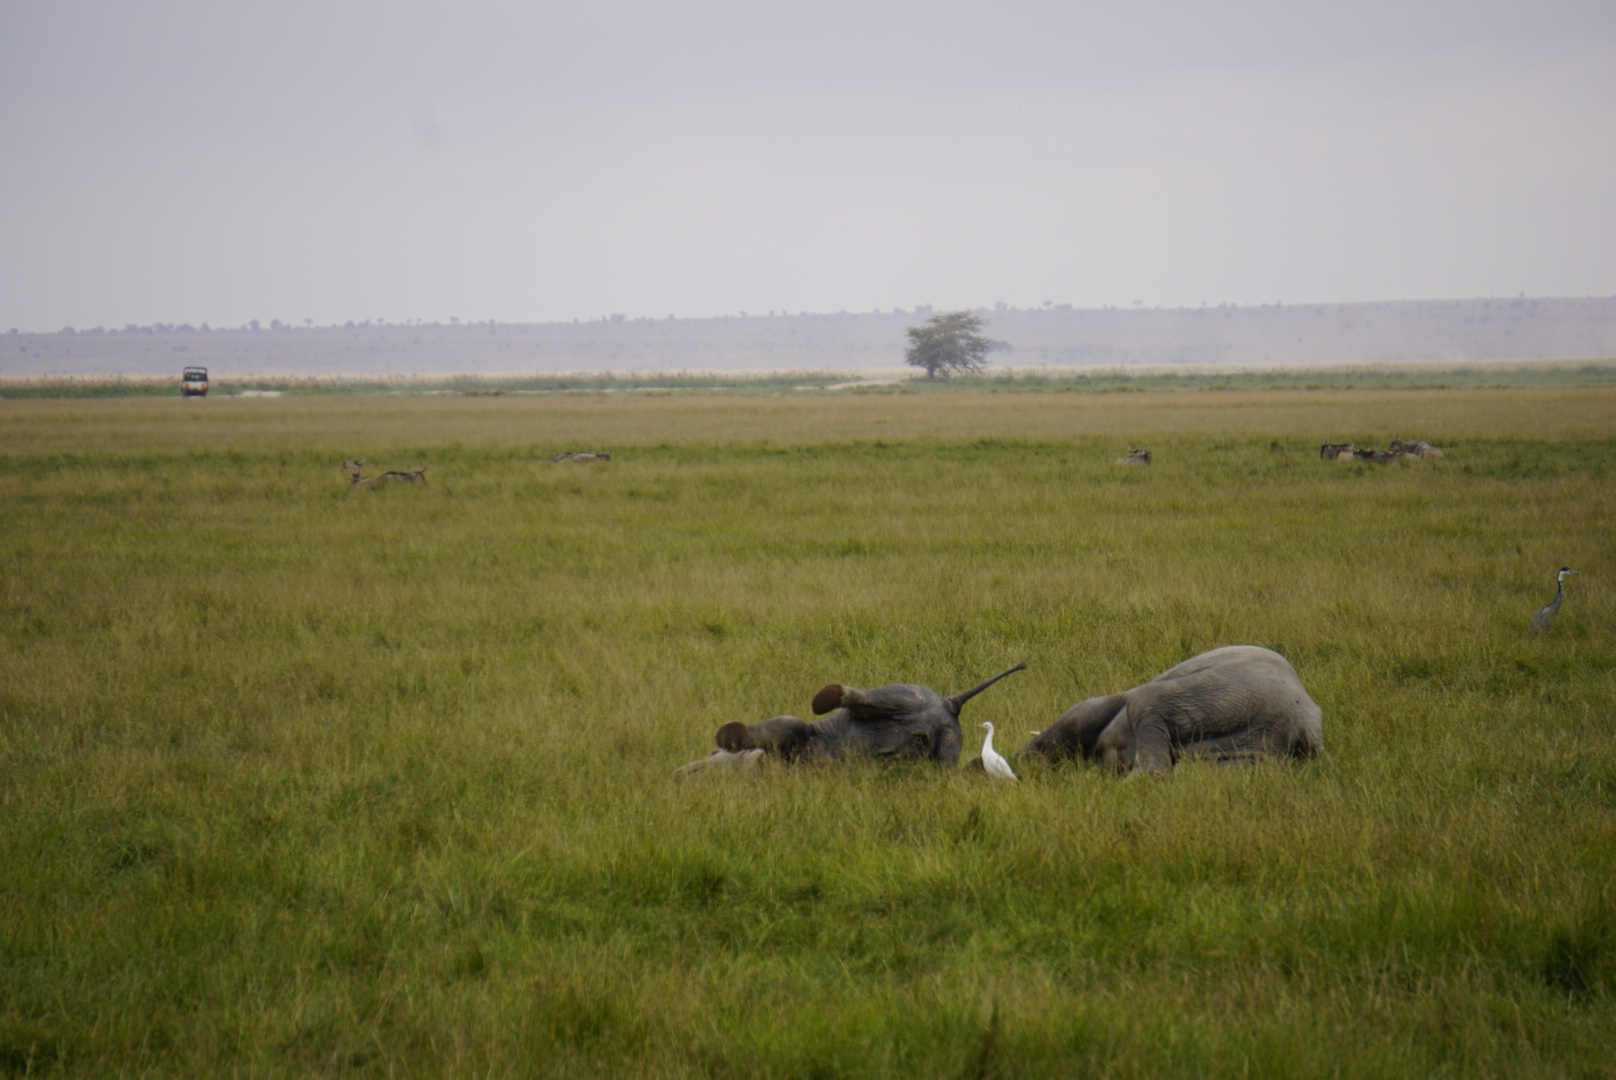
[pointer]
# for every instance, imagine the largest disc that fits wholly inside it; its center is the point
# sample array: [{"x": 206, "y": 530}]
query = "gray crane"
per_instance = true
[{"x": 1545, "y": 618}]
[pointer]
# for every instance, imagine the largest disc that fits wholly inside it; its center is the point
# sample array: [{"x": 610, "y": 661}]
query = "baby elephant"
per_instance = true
[
  {"x": 1236, "y": 703},
  {"x": 898, "y": 720}
]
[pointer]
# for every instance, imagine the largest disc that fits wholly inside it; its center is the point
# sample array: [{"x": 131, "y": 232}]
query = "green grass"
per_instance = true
[{"x": 297, "y": 778}]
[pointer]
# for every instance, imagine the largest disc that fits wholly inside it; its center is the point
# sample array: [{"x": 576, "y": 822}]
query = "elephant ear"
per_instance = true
[
  {"x": 947, "y": 750},
  {"x": 1152, "y": 746}
]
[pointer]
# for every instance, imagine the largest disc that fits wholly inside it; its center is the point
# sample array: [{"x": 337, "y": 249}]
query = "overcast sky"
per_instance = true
[{"x": 213, "y": 162}]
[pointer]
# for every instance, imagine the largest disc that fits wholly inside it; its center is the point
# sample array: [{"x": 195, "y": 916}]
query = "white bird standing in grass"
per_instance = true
[{"x": 992, "y": 760}]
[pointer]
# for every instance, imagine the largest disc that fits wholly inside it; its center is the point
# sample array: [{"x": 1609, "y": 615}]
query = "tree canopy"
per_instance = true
[{"x": 949, "y": 343}]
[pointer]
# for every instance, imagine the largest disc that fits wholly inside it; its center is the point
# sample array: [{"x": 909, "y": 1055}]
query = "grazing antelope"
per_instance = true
[
  {"x": 1337, "y": 452},
  {"x": 413, "y": 476}
]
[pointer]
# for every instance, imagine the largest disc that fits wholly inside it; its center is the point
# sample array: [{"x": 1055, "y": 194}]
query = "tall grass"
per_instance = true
[{"x": 302, "y": 778}]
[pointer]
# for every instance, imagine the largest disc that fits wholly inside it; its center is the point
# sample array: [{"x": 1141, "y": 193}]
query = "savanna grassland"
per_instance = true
[{"x": 299, "y": 778}]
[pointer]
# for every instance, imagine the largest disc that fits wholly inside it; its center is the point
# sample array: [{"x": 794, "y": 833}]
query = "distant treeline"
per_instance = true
[
  {"x": 1119, "y": 380},
  {"x": 468, "y": 386},
  {"x": 1377, "y": 377},
  {"x": 1263, "y": 337}
]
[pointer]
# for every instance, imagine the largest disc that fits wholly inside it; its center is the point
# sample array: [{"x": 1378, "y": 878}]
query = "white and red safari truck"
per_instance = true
[{"x": 194, "y": 383}]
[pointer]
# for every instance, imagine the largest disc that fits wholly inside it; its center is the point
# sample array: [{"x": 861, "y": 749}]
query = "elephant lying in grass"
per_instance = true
[
  {"x": 1236, "y": 703},
  {"x": 898, "y": 720}
]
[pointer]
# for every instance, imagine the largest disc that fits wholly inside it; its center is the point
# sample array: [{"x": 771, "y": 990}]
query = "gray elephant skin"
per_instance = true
[
  {"x": 899, "y": 720},
  {"x": 1237, "y": 703}
]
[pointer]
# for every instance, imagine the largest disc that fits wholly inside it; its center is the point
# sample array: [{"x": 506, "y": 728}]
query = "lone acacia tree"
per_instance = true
[{"x": 949, "y": 343}]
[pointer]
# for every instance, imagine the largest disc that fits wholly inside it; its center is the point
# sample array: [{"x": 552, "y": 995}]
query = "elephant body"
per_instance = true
[
  {"x": 1239, "y": 702},
  {"x": 899, "y": 720}
]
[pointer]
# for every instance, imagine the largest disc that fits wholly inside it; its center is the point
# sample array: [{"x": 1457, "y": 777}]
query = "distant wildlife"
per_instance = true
[
  {"x": 582, "y": 455},
  {"x": 899, "y": 720},
  {"x": 356, "y": 477},
  {"x": 992, "y": 760},
  {"x": 1140, "y": 456},
  {"x": 1398, "y": 450},
  {"x": 1237, "y": 703},
  {"x": 1418, "y": 449},
  {"x": 1543, "y": 621},
  {"x": 1379, "y": 457}
]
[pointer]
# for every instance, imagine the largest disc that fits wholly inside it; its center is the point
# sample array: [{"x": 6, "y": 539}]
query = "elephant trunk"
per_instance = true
[{"x": 958, "y": 701}]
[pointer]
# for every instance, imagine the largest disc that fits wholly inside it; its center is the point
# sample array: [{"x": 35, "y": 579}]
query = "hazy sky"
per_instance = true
[{"x": 217, "y": 162}]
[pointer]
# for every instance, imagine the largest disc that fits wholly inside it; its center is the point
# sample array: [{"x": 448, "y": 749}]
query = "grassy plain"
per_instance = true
[
  {"x": 297, "y": 778},
  {"x": 1405, "y": 375}
]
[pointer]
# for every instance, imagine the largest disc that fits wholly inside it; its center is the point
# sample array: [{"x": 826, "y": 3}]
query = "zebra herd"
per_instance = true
[{"x": 1398, "y": 450}]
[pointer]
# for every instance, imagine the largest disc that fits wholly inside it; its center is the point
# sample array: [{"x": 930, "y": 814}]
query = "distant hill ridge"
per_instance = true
[{"x": 1267, "y": 335}]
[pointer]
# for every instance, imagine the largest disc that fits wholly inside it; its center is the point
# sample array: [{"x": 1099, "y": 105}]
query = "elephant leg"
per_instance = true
[{"x": 786, "y": 736}]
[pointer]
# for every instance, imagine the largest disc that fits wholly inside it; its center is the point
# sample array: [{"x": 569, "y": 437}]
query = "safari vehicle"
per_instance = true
[{"x": 194, "y": 383}]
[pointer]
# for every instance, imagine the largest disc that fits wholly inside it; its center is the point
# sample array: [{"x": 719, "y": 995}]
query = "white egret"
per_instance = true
[{"x": 992, "y": 760}]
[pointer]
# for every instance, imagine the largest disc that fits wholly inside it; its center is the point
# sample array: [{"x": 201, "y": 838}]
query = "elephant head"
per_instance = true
[{"x": 1236, "y": 703}]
